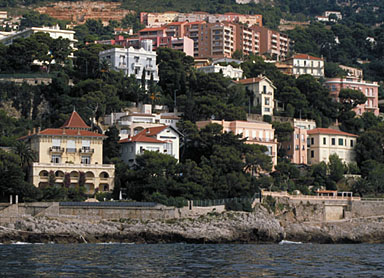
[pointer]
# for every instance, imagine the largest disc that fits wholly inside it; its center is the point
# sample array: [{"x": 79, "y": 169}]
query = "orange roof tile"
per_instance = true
[
  {"x": 146, "y": 135},
  {"x": 176, "y": 23},
  {"x": 75, "y": 121},
  {"x": 306, "y": 56},
  {"x": 152, "y": 29},
  {"x": 329, "y": 131},
  {"x": 249, "y": 80},
  {"x": 69, "y": 132}
]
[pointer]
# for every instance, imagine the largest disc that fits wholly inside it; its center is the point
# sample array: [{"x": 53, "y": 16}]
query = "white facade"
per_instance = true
[
  {"x": 228, "y": 71},
  {"x": 54, "y": 32},
  {"x": 263, "y": 93},
  {"x": 131, "y": 123},
  {"x": 164, "y": 140},
  {"x": 306, "y": 64},
  {"x": 133, "y": 61}
]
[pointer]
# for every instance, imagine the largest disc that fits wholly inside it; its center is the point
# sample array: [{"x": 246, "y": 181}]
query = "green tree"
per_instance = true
[{"x": 336, "y": 168}]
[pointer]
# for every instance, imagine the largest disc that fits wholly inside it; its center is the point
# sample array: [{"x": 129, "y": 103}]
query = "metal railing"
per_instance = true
[{"x": 220, "y": 202}]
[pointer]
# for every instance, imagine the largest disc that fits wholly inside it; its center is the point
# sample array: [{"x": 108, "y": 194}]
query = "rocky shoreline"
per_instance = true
[{"x": 259, "y": 226}]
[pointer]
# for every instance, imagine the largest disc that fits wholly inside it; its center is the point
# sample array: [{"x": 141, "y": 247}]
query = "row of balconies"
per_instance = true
[{"x": 70, "y": 150}]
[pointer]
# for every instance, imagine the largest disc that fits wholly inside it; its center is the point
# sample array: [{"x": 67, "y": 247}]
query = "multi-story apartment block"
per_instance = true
[
  {"x": 296, "y": 147},
  {"x": 70, "y": 155},
  {"x": 255, "y": 132},
  {"x": 162, "y": 139},
  {"x": 247, "y": 39},
  {"x": 352, "y": 72},
  {"x": 306, "y": 64},
  {"x": 133, "y": 61},
  {"x": 227, "y": 71},
  {"x": 272, "y": 42},
  {"x": 159, "y": 19},
  {"x": 369, "y": 89},
  {"x": 263, "y": 93},
  {"x": 322, "y": 142}
]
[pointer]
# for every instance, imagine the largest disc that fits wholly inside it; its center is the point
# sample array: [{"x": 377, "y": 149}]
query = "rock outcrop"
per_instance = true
[
  {"x": 259, "y": 226},
  {"x": 228, "y": 227}
]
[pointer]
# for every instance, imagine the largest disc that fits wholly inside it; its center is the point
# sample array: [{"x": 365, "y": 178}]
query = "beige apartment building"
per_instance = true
[
  {"x": 322, "y": 142},
  {"x": 306, "y": 64},
  {"x": 260, "y": 133},
  {"x": 68, "y": 154}
]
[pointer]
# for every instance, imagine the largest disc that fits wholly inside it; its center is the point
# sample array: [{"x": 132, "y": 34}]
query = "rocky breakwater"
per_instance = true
[
  {"x": 229, "y": 227},
  {"x": 359, "y": 230}
]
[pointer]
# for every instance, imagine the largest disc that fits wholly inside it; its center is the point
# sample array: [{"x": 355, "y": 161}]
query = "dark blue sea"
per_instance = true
[{"x": 191, "y": 260}]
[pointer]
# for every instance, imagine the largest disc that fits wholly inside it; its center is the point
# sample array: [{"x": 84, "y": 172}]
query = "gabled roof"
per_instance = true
[
  {"x": 255, "y": 80},
  {"x": 329, "y": 131},
  {"x": 75, "y": 121},
  {"x": 148, "y": 135}
]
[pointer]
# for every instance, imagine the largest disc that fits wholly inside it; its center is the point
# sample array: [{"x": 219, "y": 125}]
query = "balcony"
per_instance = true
[
  {"x": 70, "y": 150},
  {"x": 56, "y": 149},
  {"x": 86, "y": 150}
]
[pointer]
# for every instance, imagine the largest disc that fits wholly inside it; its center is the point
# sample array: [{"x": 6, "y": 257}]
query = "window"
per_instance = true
[
  {"x": 56, "y": 158},
  {"x": 85, "y": 159},
  {"x": 86, "y": 145},
  {"x": 351, "y": 143},
  {"x": 56, "y": 143},
  {"x": 312, "y": 141},
  {"x": 297, "y": 147},
  {"x": 266, "y": 101},
  {"x": 324, "y": 141},
  {"x": 168, "y": 148},
  {"x": 312, "y": 154},
  {"x": 71, "y": 146},
  {"x": 341, "y": 141},
  {"x": 303, "y": 148},
  {"x": 333, "y": 141},
  {"x": 264, "y": 89}
]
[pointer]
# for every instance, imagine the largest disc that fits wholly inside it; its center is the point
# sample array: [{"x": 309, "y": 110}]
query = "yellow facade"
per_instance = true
[{"x": 70, "y": 156}]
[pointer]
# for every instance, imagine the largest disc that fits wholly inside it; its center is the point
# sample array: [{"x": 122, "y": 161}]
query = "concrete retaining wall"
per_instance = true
[{"x": 103, "y": 212}]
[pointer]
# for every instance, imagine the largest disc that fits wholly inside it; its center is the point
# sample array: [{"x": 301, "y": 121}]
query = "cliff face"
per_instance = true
[{"x": 79, "y": 12}]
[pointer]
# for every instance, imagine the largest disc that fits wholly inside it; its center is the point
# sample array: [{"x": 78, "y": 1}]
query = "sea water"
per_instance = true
[{"x": 191, "y": 260}]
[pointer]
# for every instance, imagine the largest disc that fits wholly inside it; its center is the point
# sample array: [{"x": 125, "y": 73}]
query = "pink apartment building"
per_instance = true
[
  {"x": 260, "y": 133},
  {"x": 369, "y": 89}
]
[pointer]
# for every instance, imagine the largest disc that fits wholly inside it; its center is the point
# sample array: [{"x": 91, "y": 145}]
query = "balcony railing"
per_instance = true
[
  {"x": 56, "y": 149},
  {"x": 86, "y": 150}
]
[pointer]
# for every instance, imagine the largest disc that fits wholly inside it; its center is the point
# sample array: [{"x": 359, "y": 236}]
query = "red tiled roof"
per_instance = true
[
  {"x": 75, "y": 121},
  {"x": 146, "y": 135},
  {"x": 176, "y": 23},
  {"x": 306, "y": 56},
  {"x": 249, "y": 80},
  {"x": 69, "y": 132},
  {"x": 196, "y": 22},
  {"x": 152, "y": 29},
  {"x": 329, "y": 131}
]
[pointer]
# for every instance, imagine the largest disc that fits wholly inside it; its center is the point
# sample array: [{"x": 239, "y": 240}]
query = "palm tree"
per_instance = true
[{"x": 26, "y": 154}]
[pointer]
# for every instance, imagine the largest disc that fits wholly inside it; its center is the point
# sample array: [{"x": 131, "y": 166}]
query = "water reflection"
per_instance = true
[{"x": 191, "y": 260}]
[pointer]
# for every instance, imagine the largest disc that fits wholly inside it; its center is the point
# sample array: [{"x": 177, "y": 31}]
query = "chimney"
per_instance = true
[
  {"x": 34, "y": 130},
  {"x": 29, "y": 132}
]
